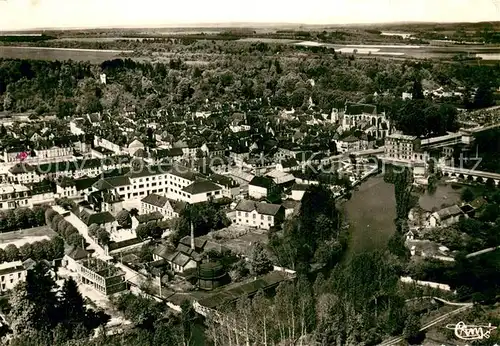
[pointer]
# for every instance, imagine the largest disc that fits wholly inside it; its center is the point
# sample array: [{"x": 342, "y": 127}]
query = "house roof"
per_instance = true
[
  {"x": 224, "y": 180},
  {"x": 262, "y": 182},
  {"x": 97, "y": 218},
  {"x": 261, "y": 208},
  {"x": 111, "y": 182},
  {"x": 359, "y": 108},
  {"x": 300, "y": 187},
  {"x": 350, "y": 139},
  {"x": 184, "y": 172},
  {"x": 20, "y": 168},
  {"x": 201, "y": 186},
  {"x": 289, "y": 163},
  {"x": 135, "y": 144},
  {"x": 446, "y": 213},
  {"x": 76, "y": 253},
  {"x": 199, "y": 243},
  {"x": 162, "y": 251},
  {"x": 155, "y": 199},
  {"x": 85, "y": 183},
  {"x": 11, "y": 267}
]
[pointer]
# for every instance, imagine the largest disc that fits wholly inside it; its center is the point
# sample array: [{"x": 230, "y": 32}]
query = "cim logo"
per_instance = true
[{"x": 472, "y": 332}]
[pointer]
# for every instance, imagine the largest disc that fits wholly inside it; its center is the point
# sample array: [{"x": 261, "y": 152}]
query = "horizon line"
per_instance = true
[{"x": 242, "y": 24}]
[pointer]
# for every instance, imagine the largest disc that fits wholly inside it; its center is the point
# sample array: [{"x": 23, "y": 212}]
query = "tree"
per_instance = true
[
  {"x": 49, "y": 216},
  {"x": 103, "y": 237},
  {"x": 412, "y": 327},
  {"x": 93, "y": 230},
  {"x": 142, "y": 231},
  {"x": 259, "y": 261},
  {"x": 3, "y": 255},
  {"x": 76, "y": 239},
  {"x": 11, "y": 253},
  {"x": 72, "y": 303},
  {"x": 26, "y": 251},
  {"x": 467, "y": 195},
  {"x": 188, "y": 317},
  {"x": 124, "y": 219}
]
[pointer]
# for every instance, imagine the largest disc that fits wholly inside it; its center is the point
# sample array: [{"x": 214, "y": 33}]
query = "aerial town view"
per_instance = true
[{"x": 322, "y": 173}]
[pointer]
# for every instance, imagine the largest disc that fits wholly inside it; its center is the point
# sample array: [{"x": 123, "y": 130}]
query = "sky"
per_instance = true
[{"x": 29, "y": 14}]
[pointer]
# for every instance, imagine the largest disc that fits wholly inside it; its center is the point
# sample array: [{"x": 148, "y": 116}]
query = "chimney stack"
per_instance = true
[{"x": 192, "y": 236}]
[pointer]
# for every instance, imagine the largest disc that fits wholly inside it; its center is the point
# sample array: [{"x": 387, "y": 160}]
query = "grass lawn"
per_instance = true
[{"x": 29, "y": 235}]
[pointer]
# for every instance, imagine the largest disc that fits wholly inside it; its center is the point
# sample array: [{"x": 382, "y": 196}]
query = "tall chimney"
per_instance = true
[{"x": 192, "y": 236}]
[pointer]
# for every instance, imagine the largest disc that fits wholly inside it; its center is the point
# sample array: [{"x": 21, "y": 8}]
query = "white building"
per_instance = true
[
  {"x": 156, "y": 203},
  {"x": 11, "y": 273},
  {"x": 14, "y": 195},
  {"x": 446, "y": 217},
  {"x": 258, "y": 214}
]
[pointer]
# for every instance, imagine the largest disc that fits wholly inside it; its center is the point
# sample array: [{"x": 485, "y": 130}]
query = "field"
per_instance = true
[
  {"x": 370, "y": 213},
  {"x": 43, "y": 53},
  {"x": 24, "y": 236}
]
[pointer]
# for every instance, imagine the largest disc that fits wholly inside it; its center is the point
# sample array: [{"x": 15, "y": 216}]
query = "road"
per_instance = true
[
  {"x": 481, "y": 252},
  {"x": 463, "y": 307},
  {"x": 130, "y": 275}
]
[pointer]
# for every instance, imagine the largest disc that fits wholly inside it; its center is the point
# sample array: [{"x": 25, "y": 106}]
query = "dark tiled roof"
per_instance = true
[
  {"x": 300, "y": 187},
  {"x": 262, "y": 182},
  {"x": 201, "y": 186},
  {"x": 85, "y": 183},
  {"x": 20, "y": 168},
  {"x": 146, "y": 171},
  {"x": 184, "y": 172},
  {"x": 97, "y": 218},
  {"x": 223, "y": 180},
  {"x": 359, "y": 108},
  {"x": 12, "y": 269},
  {"x": 288, "y": 163},
  {"x": 77, "y": 253},
  {"x": 111, "y": 182},
  {"x": 155, "y": 199},
  {"x": 261, "y": 208}
]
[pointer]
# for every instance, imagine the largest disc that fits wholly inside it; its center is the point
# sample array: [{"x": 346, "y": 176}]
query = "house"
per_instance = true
[
  {"x": 71, "y": 257},
  {"x": 446, "y": 217},
  {"x": 230, "y": 187},
  {"x": 348, "y": 144},
  {"x": 261, "y": 187},
  {"x": 281, "y": 178},
  {"x": 258, "y": 214},
  {"x": 168, "y": 208},
  {"x": 291, "y": 207},
  {"x": 101, "y": 276},
  {"x": 287, "y": 165},
  {"x": 11, "y": 273},
  {"x": 42, "y": 192},
  {"x": 177, "y": 260},
  {"x": 134, "y": 146},
  {"x": 298, "y": 191},
  {"x": 13, "y": 196},
  {"x": 201, "y": 191},
  {"x": 104, "y": 219}
]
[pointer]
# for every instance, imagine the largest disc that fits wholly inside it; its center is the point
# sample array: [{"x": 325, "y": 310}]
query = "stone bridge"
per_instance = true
[{"x": 469, "y": 174}]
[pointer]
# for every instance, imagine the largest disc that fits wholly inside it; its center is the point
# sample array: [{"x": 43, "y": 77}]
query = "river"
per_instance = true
[{"x": 370, "y": 214}]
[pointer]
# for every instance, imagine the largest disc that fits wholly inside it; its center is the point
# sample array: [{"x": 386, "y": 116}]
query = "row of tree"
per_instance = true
[
  {"x": 21, "y": 218},
  {"x": 65, "y": 229},
  {"x": 39, "y": 250}
]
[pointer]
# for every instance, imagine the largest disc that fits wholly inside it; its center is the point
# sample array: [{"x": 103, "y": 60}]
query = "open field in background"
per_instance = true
[
  {"x": 29, "y": 235},
  {"x": 44, "y": 53}
]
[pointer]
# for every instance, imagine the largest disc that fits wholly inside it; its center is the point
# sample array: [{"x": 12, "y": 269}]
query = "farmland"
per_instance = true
[{"x": 45, "y": 53}]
